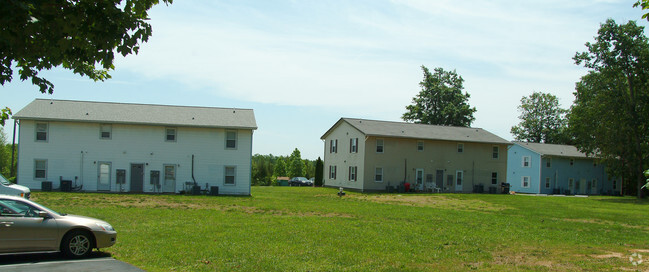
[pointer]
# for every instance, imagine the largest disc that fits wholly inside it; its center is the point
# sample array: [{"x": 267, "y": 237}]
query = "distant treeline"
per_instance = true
[{"x": 266, "y": 168}]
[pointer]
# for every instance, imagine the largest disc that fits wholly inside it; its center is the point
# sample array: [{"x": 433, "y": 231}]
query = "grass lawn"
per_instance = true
[{"x": 312, "y": 229}]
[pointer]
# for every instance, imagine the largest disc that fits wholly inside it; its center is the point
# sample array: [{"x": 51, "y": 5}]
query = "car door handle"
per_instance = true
[{"x": 7, "y": 224}]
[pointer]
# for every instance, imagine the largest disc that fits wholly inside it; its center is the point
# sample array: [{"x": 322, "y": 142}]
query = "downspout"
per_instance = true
[
  {"x": 13, "y": 152},
  {"x": 250, "y": 172},
  {"x": 193, "y": 179}
]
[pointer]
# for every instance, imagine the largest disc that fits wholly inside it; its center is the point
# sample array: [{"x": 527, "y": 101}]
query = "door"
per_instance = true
[
  {"x": 137, "y": 178},
  {"x": 419, "y": 179},
  {"x": 439, "y": 178},
  {"x": 582, "y": 186},
  {"x": 103, "y": 176},
  {"x": 459, "y": 177},
  {"x": 169, "y": 183}
]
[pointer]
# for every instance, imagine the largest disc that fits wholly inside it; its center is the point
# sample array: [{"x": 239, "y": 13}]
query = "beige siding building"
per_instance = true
[{"x": 369, "y": 155}]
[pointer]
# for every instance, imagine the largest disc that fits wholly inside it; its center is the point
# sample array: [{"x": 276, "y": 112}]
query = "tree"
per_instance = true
[
  {"x": 644, "y": 4},
  {"x": 78, "y": 35},
  {"x": 296, "y": 166},
  {"x": 440, "y": 101},
  {"x": 610, "y": 113},
  {"x": 541, "y": 120},
  {"x": 319, "y": 172},
  {"x": 280, "y": 168}
]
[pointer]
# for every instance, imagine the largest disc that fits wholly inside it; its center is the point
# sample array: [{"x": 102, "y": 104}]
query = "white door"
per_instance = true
[
  {"x": 459, "y": 177},
  {"x": 169, "y": 184},
  {"x": 103, "y": 176},
  {"x": 419, "y": 179}
]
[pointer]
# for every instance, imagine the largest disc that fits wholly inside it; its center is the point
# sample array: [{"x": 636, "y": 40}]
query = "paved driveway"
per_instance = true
[{"x": 53, "y": 262}]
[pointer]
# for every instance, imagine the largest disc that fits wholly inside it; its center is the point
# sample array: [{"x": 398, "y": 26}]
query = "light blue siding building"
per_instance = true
[{"x": 557, "y": 169}]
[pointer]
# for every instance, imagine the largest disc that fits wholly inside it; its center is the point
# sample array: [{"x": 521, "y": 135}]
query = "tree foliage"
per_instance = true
[
  {"x": 610, "y": 114},
  {"x": 440, "y": 101},
  {"x": 644, "y": 4},
  {"x": 541, "y": 120},
  {"x": 78, "y": 35},
  {"x": 296, "y": 165},
  {"x": 319, "y": 172},
  {"x": 266, "y": 168}
]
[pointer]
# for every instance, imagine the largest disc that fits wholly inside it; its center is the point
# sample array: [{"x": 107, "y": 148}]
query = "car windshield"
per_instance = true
[{"x": 4, "y": 181}]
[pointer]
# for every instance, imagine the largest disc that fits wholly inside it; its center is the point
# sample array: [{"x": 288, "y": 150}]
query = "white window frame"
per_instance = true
[
  {"x": 525, "y": 179},
  {"x": 378, "y": 174},
  {"x": 547, "y": 183},
  {"x": 36, "y": 176},
  {"x": 495, "y": 152},
  {"x": 420, "y": 146},
  {"x": 528, "y": 160},
  {"x": 380, "y": 143},
  {"x": 105, "y": 128},
  {"x": 228, "y": 139},
  {"x": 167, "y": 134},
  {"x": 46, "y": 131},
  {"x": 234, "y": 175},
  {"x": 460, "y": 148}
]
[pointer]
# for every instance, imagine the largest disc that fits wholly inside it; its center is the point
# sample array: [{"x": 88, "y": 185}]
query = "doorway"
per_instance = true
[
  {"x": 103, "y": 176},
  {"x": 459, "y": 177},
  {"x": 137, "y": 177}
]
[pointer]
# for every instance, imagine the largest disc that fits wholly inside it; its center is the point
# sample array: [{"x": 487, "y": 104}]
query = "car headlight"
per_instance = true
[{"x": 105, "y": 226}]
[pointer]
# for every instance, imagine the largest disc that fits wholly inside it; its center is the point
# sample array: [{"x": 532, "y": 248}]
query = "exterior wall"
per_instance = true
[
  {"x": 401, "y": 160},
  {"x": 343, "y": 158},
  {"x": 582, "y": 172},
  {"x": 74, "y": 150},
  {"x": 516, "y": 172}
]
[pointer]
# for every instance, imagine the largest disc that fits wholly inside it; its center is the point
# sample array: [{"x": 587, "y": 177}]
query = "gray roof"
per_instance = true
[
  {"x": 146, "y": 114},
  {"x": 420, "y": 131},
  {"x": 553, "y": 150}
]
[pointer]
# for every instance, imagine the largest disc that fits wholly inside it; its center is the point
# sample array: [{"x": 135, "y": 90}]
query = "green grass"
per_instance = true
[{"x": 312, "y": 229}]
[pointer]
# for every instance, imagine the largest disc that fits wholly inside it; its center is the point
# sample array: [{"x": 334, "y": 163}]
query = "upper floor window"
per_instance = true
[
  {"x": 460, "y": 148},
  {"x": 353, "y": 145},
  {"x": 105, "y": 131},
  {"x": 230, "y": 139},
  {"x": 230, "y": 175},
  {"x": 548, "y": 162},
  {"x": 420, "y": 146},
  {"x": 526, "y": 161},
  {"x": 379, "y": 145},
  {"x": 333, "y": 146},
  {"x": 40, "y": 169},
  {"x": 495, "y": 152},
  {"x": 41, "y": 132},
  {"x": 170, "y": 134},
  {"x": 572, "y": 162}
]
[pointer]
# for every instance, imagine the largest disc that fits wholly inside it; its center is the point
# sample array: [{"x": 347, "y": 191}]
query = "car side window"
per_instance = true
[{"x": 17, "y": 208}]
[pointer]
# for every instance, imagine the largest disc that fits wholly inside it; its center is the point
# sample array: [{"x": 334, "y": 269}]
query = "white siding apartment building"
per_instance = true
[{"x": 119, "y": 147}]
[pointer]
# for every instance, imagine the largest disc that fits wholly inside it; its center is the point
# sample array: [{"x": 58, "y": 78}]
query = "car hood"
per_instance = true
[
  {"x": 81, "y": 220},
  {"x": 19, "y": 187}
]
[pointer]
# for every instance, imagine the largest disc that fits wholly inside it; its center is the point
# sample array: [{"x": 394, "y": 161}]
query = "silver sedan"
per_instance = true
[{"x": 26, "y": 226}]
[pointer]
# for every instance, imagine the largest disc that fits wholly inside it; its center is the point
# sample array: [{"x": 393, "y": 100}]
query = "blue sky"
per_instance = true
[{"x": 302, "y": 65}]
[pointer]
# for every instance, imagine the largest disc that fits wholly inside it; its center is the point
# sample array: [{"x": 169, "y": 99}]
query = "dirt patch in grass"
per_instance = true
[
  {"x": 434, "y": 201},
  {"x": 525, "y": 261}
]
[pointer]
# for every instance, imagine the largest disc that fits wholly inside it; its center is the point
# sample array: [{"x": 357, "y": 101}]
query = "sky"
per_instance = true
[{"x": 303, "y": 65}]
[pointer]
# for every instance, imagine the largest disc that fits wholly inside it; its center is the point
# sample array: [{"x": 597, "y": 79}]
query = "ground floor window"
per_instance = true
[
  {"x": 352, "y": 173},
  {"x": 332, "y": 171},
  {"x": 525, "y": 182},
  {"x": 40, "y": 169},
  {"x": 494, "y": 178},
  {"x": 547, "y": 183},
  {"x": 378, "y": 176},
  {"x": 230, "y": 175}
]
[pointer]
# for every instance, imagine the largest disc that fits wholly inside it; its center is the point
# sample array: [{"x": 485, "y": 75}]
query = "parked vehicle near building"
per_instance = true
[{"x": 8, "y": 188}]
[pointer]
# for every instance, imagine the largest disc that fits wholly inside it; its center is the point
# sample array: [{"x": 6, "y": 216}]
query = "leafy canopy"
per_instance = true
[
  {"x": 610, "y": 114},
  {"x": 541, "y": 120},
  {"x": 440, "y": 101}
]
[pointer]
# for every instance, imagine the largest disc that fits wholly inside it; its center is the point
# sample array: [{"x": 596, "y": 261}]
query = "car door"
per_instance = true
[{"x": 22, "y": 230}]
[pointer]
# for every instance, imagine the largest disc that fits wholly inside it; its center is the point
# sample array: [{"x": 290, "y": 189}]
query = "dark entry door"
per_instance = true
[
  {"x": 439, "y": 177},
  {"x": 137, "y": 178}
]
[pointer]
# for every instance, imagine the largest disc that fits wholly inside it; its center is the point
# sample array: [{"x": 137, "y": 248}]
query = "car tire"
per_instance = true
[{"x": 77, "y": 244}]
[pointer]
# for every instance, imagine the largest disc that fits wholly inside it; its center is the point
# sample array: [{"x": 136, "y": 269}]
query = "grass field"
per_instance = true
[{"x": 312, "y": 229}]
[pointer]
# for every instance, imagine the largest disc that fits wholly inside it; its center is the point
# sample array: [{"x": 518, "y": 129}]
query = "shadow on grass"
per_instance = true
[{"x": 29, "y": 258}]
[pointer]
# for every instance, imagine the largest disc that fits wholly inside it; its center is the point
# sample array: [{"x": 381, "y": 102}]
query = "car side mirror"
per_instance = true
[{"x": 43, "y": 214}]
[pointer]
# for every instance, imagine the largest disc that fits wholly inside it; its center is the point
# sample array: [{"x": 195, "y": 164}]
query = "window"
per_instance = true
[
  {"x": 525, "y": 182},
  {"x": 41, "y": 132},
  {"x": 460, "y": 148},
  {"x": 332, "y": 171},
  {"x": 353, "y": 145},
  {"x": 614, "y": 184},
  {"x": 105, "y": 131},
  {"x": 16, "y": 208},
  {"x": 230, "y": 175},
  {"x": 352, "y": 173},
  {"x": 230, "y": 139},
  {"x": 333, "y": 146},
  {"x": 494, "y": 178},
  {"x": 40, "y": 169},
  {"x": 547, "y": 183},
  {"x": 495, "y": 152},
  {"x": 420, "y": 146},
  {"x": 170, "y": 134},
  {"x": 594, "y": 184},
  {"x": 378, "y": 176},
  {"x": 379, "y": 145},
  {"x": 548, "y": 162},
  {"x": 572, "y": 162},
  {"x": 526, "y": 161}
]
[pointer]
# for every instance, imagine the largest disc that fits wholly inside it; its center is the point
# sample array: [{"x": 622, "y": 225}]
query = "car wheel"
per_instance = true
[{"x": 77, "y": 244}]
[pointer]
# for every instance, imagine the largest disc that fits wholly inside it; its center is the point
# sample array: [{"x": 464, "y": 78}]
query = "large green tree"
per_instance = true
[
  {"x": 644, "y": 4},
  {"x": 541, "y": 120},
  {"x": 296, "y": 165},
  {"x": 610, "y": 114},
  {"x": 440, "y": 101},
  {"x": 79, "y": 35}
]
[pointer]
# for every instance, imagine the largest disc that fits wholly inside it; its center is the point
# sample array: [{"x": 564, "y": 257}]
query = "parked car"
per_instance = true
[
  {"x": 26, "y": 226},
  {"x": 8, "y": 188},
  {"x": 299, "y": 181}
]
